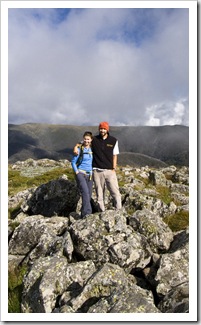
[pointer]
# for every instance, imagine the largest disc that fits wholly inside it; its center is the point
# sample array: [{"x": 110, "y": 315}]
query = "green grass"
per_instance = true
[
  {"x": 164, "y": 194},
  {"x": 178, "y": 221},
  {"x": 17, "y": 182}
]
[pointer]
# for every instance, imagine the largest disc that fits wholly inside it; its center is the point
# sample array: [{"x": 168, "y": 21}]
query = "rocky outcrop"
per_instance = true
[{"x": 126, "y": 261}]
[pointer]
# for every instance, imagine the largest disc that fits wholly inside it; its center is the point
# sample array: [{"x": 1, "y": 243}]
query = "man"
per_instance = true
[{"x": 105, "y": 150}]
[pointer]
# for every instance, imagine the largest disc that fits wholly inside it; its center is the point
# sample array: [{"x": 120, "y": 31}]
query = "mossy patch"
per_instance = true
[
  {"x": 15, "y": 287},
  {"x": 178, "y": 221}
]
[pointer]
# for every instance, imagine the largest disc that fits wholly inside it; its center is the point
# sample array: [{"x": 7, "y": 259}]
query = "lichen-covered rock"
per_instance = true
[
  {"x": 20, "y": 197},
  {"x": 111, "y": 290},
  {"x": 129, "y": 299},
  {"x": 132, "y": 252},
  {"x": 38, "y": 236},
  {"x": 68, "y": 246},
  {"x": 48, "y": 279},
  {"x": 176, "y": 300},
  {"x": 157, "y": 178},
  {"x": 106, "y": 237},
  {"x": 146, "y": 199},
  {"x": 37, "y": 167},
  {"x": 101, "y": 284},
  {"x": 173, "y": 270},
  {"x": 150, "y": 225}
]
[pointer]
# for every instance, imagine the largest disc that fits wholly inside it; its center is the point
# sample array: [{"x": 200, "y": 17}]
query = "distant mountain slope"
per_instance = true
[
  {"x": 137, "y": 160},
  {"x": 168, "y": 144}
]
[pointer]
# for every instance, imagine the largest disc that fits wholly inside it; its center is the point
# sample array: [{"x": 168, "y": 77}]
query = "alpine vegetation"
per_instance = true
[{"x": 132, "y": 260}]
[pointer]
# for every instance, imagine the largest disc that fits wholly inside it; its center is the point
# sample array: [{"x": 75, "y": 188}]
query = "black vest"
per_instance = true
[{"x": 103, "y": 152}]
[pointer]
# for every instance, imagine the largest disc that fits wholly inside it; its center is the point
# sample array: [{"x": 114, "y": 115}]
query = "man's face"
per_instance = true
[{"x": 103, "y": 132}]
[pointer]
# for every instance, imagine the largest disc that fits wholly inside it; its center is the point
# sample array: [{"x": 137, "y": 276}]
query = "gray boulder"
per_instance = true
[
  {"x": 115, "y": 292},
  {"x": 38, "y": 236},
  {"x": 106, "y": 237},
  {"x": 150, "y": 225},
  {"x": 173, "y": 270},
  {"x": 176, "y": 300},
  {"x": 48, "y": 279},
  {"x": 57, "y": 197}
]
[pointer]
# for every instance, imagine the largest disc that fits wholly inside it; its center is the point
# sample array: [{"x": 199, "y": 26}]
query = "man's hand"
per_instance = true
[{"x": 114, "y": 162}]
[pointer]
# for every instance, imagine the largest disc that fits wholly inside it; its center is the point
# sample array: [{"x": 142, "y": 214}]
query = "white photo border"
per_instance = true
[{"x": 192, "y": 315}]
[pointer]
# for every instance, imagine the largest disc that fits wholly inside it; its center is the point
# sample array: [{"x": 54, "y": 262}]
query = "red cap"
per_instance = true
[{"x": 104, "y": 125}]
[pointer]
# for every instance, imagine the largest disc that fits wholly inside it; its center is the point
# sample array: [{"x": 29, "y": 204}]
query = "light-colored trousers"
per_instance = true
[{"x": 106, "y": 177}]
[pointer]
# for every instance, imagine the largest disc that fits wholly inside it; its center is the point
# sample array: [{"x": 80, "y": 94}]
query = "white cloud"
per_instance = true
[
  {"x": 98, "y": 64},
  {"x": 169, "y": 113}
]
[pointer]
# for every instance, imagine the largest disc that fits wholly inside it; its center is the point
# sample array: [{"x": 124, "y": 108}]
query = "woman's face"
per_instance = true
[{"x": 87, "y": 140}]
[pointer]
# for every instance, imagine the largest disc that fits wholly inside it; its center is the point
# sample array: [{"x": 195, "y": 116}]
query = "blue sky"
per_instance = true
[{"x": 81, "y": 66}]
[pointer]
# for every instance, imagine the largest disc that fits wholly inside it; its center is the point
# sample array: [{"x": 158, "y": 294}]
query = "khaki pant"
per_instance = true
[{"x": 106, "y": 177}]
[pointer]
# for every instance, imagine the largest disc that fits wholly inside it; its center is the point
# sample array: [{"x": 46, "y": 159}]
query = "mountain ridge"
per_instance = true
[{"x": 139, "y": 145}]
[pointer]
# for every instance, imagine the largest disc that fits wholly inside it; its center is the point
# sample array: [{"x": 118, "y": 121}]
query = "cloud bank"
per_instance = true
[{"x": 81, "y": 66}]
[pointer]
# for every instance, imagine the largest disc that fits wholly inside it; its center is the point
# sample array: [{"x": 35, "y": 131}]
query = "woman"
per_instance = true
[{"x": 82, "y": 166}]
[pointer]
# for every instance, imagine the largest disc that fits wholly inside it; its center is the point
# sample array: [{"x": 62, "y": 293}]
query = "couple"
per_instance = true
[{"x": 100, "y": 154}]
